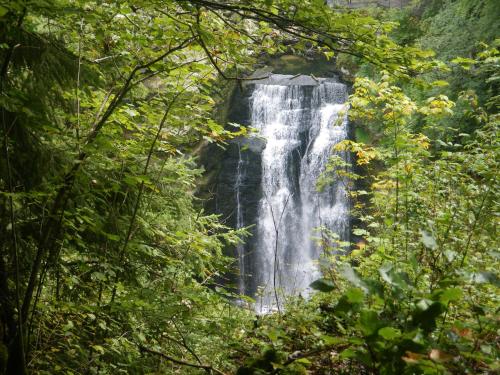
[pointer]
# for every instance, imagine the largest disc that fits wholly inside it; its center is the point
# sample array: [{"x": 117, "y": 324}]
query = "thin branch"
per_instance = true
[
  {"x": 216, "y": 66},
  {"x": 276, "y": 243},
  {"x": 15, "y": 248},
  {"x": 77, "y": 131},
  {"x": 231, "y": 26},
  {"x": 184, "y": 343},
  {"x": 209, "y": 369}
]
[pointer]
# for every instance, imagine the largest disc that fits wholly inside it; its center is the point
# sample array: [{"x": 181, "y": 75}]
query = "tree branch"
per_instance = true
[{"x": 209, "y": 369}]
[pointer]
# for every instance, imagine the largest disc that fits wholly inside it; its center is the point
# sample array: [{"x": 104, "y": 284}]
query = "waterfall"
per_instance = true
[
  {"x": 240, "y": 248},
  {"x": 300, "y": 119}
]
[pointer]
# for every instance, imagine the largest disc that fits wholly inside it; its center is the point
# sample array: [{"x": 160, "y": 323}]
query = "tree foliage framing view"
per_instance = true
[{"x": 108, "y": 262}]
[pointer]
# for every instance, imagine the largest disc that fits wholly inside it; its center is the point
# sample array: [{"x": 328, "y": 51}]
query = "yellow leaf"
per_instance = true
[
  {"x": 439, "y": 356},
  {"x": 411, "y": 357}
]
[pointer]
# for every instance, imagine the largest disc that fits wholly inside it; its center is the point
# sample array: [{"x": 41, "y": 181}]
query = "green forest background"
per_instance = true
[{"x": 108, "y": 262}]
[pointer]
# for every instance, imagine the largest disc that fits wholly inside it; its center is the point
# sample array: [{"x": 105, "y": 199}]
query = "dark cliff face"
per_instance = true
[
  {"x": 221, "y": 166},
  {"x": 243, "y": 155}
]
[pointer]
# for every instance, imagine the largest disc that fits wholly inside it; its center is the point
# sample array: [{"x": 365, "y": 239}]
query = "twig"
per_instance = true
[
  {"x": 12, "y": 218},
  {"x": 209, "y": 369},
  {"x": 77, "y": 131},
  {"x": 276, "y": 232}
]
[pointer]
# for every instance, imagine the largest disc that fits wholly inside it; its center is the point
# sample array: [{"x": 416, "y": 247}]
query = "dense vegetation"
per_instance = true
[{"x": 108, "y": 262}]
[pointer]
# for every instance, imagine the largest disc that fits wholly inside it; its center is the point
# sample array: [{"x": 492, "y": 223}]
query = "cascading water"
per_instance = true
[
  {"x": 300, "y": 119},
  {"x": 240, "y": 248}
]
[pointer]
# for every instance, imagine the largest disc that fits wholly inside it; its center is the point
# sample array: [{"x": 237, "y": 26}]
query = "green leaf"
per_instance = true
[
  {"x": 99, "y": 276},
  {"x": 303, "y": 361},
  {"x": 399, "y": 279},
  {"x": 368, "y": 322},
  {"x": 426, "y": 314},
  {"x": 98, "y": 348},
  {"x": 464, "y": 62},
  {"x": 275, "y": 334},
  {"x": 355, "y": 295},
  {"x": 440, "y": 83},
  {"x": 68, "y": 326},
  {"x": 330, "y": 340},
  {"x": 449, "y": 295},
  {"x": 486, "y": 349},
  {"x": 360, "y": 232},
  {"x": 351, "y": 275},
  {"x": 348, "y": 353},
  {"x": 112, "y": 237},
  {"x": 141, "y": 337},
  {"x": 428, "y": 240},
  {"x": 323, "y": 285},
  {"x": 389, "y": 333},
  {"x": 384, "y": 272}
]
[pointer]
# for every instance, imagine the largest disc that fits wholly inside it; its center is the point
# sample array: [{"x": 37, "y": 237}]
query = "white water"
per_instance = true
[
  {"x": 240, "y": 248},
  {"x": 300, "y": 125}
]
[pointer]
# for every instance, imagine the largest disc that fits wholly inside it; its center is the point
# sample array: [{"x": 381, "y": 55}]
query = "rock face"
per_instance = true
[
  {"x": 268, "y": 181},
  {"x": 288, "y": 80},
  {"x": 368, "y": 3},
  {"x": 238, "y": 184}
]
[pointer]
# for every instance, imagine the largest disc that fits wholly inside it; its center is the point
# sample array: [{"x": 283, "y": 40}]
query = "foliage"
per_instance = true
[
  {"x": 453, "y": 28},
  {"x": 419, "y": 293},
  {"x": 108, "y": 262}
]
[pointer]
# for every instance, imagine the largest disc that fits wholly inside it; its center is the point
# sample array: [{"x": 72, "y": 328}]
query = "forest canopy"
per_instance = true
[{"x": 111, "y": 264}]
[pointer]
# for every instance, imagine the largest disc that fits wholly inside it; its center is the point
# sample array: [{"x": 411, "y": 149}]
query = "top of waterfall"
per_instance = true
[{"x": 289, "y": 80}]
